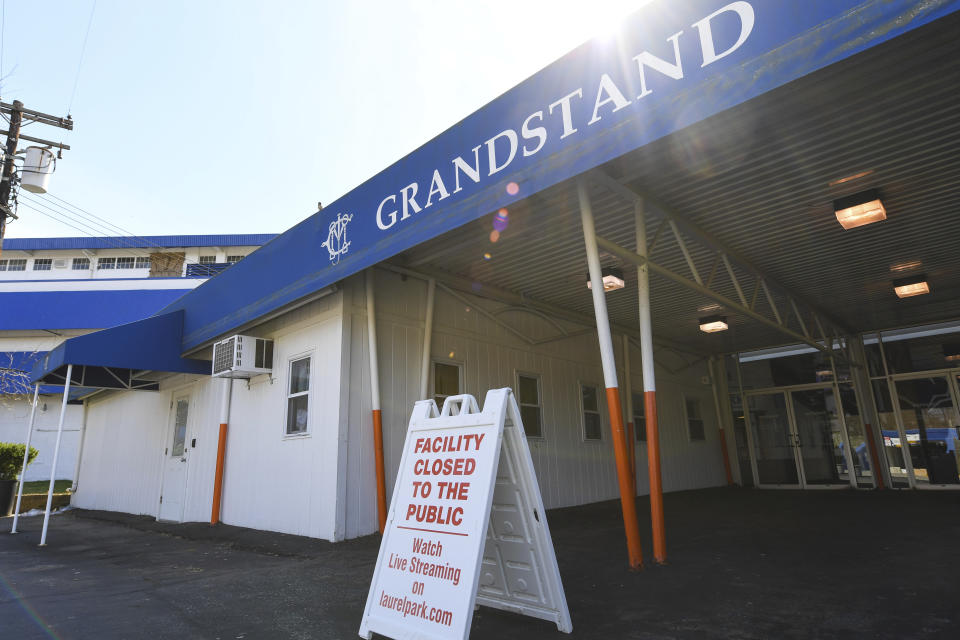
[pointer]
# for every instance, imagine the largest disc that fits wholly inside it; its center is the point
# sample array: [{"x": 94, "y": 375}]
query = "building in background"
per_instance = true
[{"x": 55, "y": 288}]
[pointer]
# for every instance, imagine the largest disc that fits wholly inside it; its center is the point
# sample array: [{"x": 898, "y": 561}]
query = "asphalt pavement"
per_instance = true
[{"x": 742, "y": 564}]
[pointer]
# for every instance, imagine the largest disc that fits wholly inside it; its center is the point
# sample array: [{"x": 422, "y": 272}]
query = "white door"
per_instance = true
[{"x": 175, "y": 463}]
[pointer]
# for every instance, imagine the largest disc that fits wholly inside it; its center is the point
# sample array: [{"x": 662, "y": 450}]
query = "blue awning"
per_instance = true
[
  {"x": 15, "y": 367},
  {"x": 109, "y": 359},
  {"x": 95, "y": 309},
  {"x": 670, "y": 66}
]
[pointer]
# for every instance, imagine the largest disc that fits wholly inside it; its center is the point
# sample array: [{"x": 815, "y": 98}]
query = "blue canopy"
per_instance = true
[
  {"x": 108, "y": 359},
  {"x": 81, "y": 309},
  {"x": 15, "y": 369}
]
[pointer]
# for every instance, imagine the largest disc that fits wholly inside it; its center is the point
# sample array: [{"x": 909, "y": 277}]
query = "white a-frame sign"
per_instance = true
[{"x": 466, "y": 526}]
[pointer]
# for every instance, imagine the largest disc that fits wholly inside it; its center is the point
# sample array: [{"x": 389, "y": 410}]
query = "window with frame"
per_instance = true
[
  {"x": 695, "y": 428},
  {"x": 180, "y": 428},
  {"x": 531, "y": 408},
  {"x": 143, "y": 263},
  {"x": 42, "y": 264},
  {"x": 590, "y": 406},
  {"x": 208, "y": 259},
  {"x": 13, "y": 264},
  {"x": 106, "y": 263},
  {"x": 234, "y": 259},
  {"x": 125, "y": 263},
  {"x": 298, "y": 397},
  {"x": 446, "y": 381},
  {"x": 639, "y": 419},
  {"x": 80, "y": 264}
]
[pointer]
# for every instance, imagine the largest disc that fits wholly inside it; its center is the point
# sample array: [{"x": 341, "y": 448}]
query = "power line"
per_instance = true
[
  {"x": 83, "y": 50},
  {"x": 124, "y": 232},
  {"x": 106, "y": 226},
  {"x": 102, "y": 229},
  {"x": 96, "y": 232}
]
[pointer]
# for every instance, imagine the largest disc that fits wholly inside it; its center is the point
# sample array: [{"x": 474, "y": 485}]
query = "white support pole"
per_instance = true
[
  {"x": 377, "y": 417},
  {"x": 627, "y": 383},
  {"x": 596, "y": 289},
  {"x": 631, "y": 427},
  {"x": 627, "y": 487},
  {"x": 83, "y": 438},
  {"x": 712, "y": 368},
  {"x": 643, "y": 293},
  {"x": 26, "y": 457},
  {"x": 427, "y": 339},
  {"x": 649, "y": 388},
  {"x": 372, "y": 343},
  {"x": 56, "y": 455}
]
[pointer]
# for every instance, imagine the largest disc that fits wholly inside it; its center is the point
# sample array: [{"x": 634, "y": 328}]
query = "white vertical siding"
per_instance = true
[
  {"x": 288, "y": 483},
  {"x": 570, "y": 470},
  {"x": 122, "y": 453},
  {"x": 14, "y": 418},
  {"x": 323, "y": 484}
]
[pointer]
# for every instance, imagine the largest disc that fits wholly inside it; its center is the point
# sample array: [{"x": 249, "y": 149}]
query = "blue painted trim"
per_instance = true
[{"x": 151, "y": 279}]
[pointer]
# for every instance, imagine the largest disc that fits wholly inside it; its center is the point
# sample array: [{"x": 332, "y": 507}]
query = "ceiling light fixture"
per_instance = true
[
  {"x": 951, "y": 352},
  {"x": 712, "y": 324},
  {"x": 906, "y": 266},
  {"x": 908, "y": 287},
  {"x": 612, "y": 279},
  {"x": 859, "y": 209}
]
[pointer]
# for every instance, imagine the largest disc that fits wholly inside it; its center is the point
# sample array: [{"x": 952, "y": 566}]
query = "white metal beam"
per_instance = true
[{"x": 631, "y": 195}]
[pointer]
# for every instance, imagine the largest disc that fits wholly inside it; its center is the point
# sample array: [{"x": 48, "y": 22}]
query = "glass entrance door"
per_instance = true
[
  {"x": 798, "y": 438},
  {"x": 773, "y": 440},
  {"x": 820, "y": 438},
  {"x": 927, "y": 407}
]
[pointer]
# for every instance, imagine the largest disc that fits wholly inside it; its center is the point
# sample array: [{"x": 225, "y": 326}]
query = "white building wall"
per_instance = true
[
  {"x": 14, "y": 418},
  {"x": 15, "y": 413},
  {"x": 64, "y": 270},
  {"x": 323, "y": 484},
  {"x": 122, "y": 451},
  {"x": 288, "y": 483},
  {"x": 570, "y": 470},
  {"x": 271, "y": 481}
]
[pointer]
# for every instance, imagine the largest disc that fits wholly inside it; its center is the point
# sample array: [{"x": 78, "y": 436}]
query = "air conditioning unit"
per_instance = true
[
  {"x": 242, "y": 357},
  {"x": 60, "y": 263}
]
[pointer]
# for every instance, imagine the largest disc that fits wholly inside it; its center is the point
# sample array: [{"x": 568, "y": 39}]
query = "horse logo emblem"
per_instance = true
[{"x": 337, "y": 243}]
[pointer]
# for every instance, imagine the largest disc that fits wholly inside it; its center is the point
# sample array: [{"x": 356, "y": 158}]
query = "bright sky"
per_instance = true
[{"x": 197, "y": 116}]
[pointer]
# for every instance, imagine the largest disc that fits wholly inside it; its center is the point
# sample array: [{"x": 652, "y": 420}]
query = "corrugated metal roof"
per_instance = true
[
  {"x": 139, "y": 242},
  {"x": 761, "y": 178}
]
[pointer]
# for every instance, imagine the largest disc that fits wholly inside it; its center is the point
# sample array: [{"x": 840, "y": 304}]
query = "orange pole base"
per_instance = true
[
  {"x": 874, "y": 456},
  {"x": 218, "y": 474},
  {"x": 628, "y": 501},
  {"x": 656, "y": 484},
  {"x": 726, "y": 457},
  {"x": 381, "y": 479}
]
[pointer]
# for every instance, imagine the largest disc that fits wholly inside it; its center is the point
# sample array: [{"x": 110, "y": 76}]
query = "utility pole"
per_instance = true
[
  {"x": 13, "y": 137},
  {"x": 17, "y": 114}
]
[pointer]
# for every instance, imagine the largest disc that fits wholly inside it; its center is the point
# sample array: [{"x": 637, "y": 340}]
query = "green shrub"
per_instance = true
[{"x": 11, "y": 459}]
